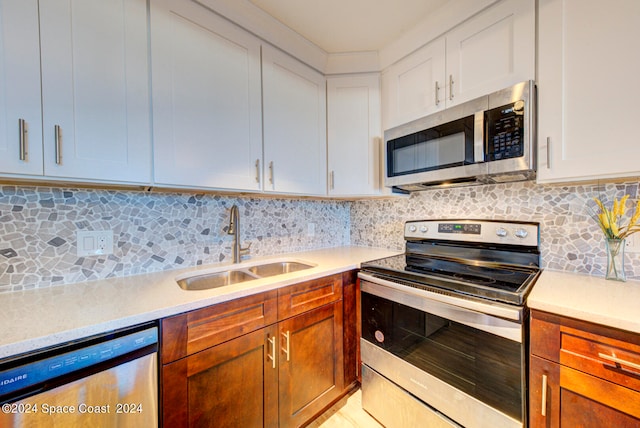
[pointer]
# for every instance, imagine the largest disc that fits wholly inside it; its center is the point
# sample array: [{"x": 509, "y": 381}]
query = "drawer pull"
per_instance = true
[
  {"x": 287, "y": 338},
  {"x": 272, "y": 357},
  {"x": 618, "y": 361},
  {"x": 543, "y": 410}
]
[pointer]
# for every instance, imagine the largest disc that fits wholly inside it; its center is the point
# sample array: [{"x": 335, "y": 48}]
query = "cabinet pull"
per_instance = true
[
  {"x": 257, "y": 170},
  {"x": 451, "y": 87},
  {"x": 22, "y": 139},
  {"x": 58, "y": 144},
  {"x": 271, "y": 172},
  {"x": 287, "y": 337},
  {"x": 332, "y": 180},
  {"x": 543, "y": 410},
  {"x": 619, "y": 362},
  {"x": 548, "y": 152},
  {"x": 437, "y": 89},
  {"x": 272, "y": 357}
]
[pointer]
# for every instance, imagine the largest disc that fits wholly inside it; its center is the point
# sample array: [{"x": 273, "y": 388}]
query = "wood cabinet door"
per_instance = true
[
  {"x": 206, "y": 99},
  {"x": 234, "y": 384},
  {"x": 415, "y": 86},
  {"x": 493, "y": 50},
  {"x": 95, "y": 89},
  {"x": 295, "y": 132},
  {"x": 311, "y": 363},
  {"x": 20, "y": 99},
  {"x": 578, "y": 138},
  {"x": 354, "y": 132}
]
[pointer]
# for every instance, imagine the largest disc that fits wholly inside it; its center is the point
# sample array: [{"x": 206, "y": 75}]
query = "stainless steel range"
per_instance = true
[{"x": 444, "y": 338}]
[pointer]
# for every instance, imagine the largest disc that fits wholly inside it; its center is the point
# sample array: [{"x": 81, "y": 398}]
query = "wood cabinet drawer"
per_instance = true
[
  {"x": 303, "y": 297},
  {"x": 197, "y": 330},
  {"x": 604, "y": 352}
]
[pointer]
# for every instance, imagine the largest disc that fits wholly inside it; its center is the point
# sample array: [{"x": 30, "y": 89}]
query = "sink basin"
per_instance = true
[
  {"x": 206, "y": 281},
  {"x": 271, "y": 269},
  {"x": 214, "y": 280}
]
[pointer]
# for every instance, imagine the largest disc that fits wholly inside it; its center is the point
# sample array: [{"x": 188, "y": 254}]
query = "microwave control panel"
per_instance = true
[{"x": 505, "y": 131}]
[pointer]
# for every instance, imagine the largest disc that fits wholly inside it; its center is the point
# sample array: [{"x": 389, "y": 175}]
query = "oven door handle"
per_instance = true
[{"x": 468, "y": 312}]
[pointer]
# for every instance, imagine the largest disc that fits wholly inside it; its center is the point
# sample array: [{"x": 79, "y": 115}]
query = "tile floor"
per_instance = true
[{"x": 346, "y": 413}]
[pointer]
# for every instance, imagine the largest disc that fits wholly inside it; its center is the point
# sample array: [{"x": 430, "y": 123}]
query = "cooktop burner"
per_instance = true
[{"x": 474, "y": 258}]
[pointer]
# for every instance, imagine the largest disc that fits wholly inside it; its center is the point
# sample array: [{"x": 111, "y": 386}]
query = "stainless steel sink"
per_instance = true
[
  {"x": 215, "y": 280},
  {"x": 279, "y": 268},
  {"x": 207, "y": 281}
]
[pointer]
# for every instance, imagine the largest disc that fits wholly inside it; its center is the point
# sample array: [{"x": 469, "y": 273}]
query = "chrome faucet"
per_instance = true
[{"x": 234, "y": 229}]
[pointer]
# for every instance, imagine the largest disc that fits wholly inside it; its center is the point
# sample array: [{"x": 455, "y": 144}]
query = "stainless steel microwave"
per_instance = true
[{"x": 487, "y": 140}]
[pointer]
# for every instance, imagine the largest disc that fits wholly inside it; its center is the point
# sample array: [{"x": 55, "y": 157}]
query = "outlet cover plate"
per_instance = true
[{"x": 94, "y": 242}]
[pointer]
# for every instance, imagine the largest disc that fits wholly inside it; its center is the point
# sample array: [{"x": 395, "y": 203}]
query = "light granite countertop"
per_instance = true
[
  {"x": 588, "y": 298},
  {"x": 40, "y": 318}
]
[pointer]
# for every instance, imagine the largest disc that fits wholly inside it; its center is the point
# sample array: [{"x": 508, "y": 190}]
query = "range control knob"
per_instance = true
[
  {"x": 424, "y": 229},
  {"x": 412, "y": 228},
  {"x": 501, "y": 232},
  {"x": 521, "y": 233}
]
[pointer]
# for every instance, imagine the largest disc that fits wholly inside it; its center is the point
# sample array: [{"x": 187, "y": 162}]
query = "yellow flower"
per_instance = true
[{"x": 610, "y": 220}]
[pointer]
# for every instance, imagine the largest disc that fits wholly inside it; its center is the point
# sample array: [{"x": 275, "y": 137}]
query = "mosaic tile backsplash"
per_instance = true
[
  {"x": 152, "y": 232},
  {"x": 570, "y": 239},
  {"x": 160, "y": 231}
]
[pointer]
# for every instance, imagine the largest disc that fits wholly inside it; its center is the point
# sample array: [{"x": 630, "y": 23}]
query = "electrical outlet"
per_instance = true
[
  {"x": 311, "y": 229},
  {"x": 94, "y": 242},
  {"x": 632, "y": 243}
]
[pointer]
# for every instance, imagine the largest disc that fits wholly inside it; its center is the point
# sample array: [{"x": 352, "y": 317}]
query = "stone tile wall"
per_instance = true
[
  {"x": 570, "y": 238},
  {"x": 152, "y": 231}
]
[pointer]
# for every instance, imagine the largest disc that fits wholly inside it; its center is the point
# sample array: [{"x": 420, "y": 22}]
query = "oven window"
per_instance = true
[{"x": 481, "y": 364}]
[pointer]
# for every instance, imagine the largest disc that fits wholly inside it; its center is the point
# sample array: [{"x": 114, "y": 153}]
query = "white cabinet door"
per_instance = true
[
  {"x": 20, "y": 106},
  {"x": 207, "y": 114},
  {"x": 493, "y": 50},
  {"x": 295, "y": 144},
  {"x": 414, "y": 86},
  {"x": 589, "y": 52},
  {"x": 95, "y": 89},
  {"x": 354, "y": 135}
]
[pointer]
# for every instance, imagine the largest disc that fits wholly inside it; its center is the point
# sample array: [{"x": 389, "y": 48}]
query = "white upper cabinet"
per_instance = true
[
  {"x": 295, "y": 144},
  {"x": 493, "y": 50},
  {"x": 95, "y": 89},
  {"x": 354, "y": 135},
  {"x": 207, "y": 114},
  {"x": 20, "y": 106},
  {"x": 414, "y": 86},
  {"x": 588, "y": 52}
]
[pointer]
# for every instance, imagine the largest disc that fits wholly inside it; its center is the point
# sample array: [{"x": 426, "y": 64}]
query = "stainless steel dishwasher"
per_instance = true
[{"x": 107, "y": 380}]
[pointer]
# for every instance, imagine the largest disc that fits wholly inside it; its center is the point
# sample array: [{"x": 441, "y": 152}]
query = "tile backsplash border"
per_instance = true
[{"x": 160, "y": 231}]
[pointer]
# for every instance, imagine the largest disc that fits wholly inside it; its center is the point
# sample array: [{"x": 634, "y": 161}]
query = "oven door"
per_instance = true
[{"x": 465, "y": 364}]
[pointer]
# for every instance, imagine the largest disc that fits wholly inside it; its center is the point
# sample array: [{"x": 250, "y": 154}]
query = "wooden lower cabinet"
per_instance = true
[
  {"x": 311, "y": 363},
  {"x": 279, "y": 375},
  {"x": 572, "y": 383}
]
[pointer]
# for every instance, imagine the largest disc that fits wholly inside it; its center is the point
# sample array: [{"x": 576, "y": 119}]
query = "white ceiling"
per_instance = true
[{"x": 339, "y": 26}]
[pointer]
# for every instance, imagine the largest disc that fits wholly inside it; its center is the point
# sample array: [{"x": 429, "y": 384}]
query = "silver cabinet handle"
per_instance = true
[
  {"x": 287, "y": 338},
  {"x": 451, "y": 87},
  {"x": 332, "y": 180},
  {"x": 543, "y": 410},
  {"x": 22, "y": 139},
  {"x": 272, "y": 357},
  {"x": 58, "y": 144},
  {"x": 257, "y": 170},
  {"x": 619, "y": 362},
  {"x": 548, "y": 152},
  {"x": 437, "y": 90},
  {"x": 271, "y": 172}
]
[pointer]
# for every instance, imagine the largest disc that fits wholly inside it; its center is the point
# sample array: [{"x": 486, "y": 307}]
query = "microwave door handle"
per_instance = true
[{"x": 478, "y": 137}]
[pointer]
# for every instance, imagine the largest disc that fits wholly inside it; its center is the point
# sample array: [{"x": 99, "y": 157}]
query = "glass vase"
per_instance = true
[{"x": 615, "y": 260}]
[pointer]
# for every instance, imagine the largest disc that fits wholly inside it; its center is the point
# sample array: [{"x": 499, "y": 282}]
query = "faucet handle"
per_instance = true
[{"x": 245, "y": 250}]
